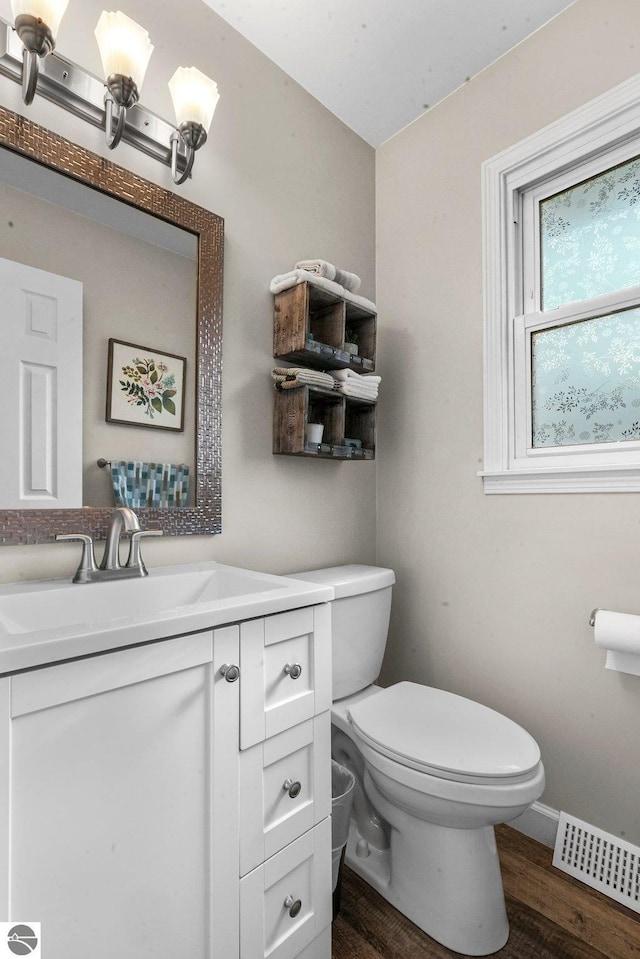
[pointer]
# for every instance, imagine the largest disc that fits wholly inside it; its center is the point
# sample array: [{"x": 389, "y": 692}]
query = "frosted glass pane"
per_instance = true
[
  {"x": 590, "y": 237},
  {"x": 586, "y": 381}
]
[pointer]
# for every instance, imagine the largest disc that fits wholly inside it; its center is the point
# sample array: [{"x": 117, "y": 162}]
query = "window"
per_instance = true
[{"x": 562, "y": 304}]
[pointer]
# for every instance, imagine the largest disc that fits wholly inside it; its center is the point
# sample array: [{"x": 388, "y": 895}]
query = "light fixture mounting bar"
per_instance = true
[{"x": 81, "y": 93}]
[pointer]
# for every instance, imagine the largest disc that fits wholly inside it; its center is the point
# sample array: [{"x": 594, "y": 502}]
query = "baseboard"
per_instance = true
[{"x": 538, "y": 822}]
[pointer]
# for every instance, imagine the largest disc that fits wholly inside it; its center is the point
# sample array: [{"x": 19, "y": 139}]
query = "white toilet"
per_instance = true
[{"x": 434, "y": 773}]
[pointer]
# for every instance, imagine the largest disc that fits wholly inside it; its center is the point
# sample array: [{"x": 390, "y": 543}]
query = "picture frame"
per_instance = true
[{"x": 145, "y": 387}]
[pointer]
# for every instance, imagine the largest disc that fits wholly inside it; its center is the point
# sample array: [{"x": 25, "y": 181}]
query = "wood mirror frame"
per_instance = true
[{"x": 33, "y": 526}]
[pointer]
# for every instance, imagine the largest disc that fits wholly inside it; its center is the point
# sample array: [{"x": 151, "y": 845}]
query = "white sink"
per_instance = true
[
  {"x": 46, "y": 621},
  {"x": 60, "y": 604}
]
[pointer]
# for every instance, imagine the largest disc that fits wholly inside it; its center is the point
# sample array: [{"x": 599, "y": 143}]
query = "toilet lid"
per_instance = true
[{"x": 444, "y": 734}]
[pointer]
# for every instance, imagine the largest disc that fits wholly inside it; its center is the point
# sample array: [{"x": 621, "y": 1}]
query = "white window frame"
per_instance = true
[{"x": 593, "y": 138}]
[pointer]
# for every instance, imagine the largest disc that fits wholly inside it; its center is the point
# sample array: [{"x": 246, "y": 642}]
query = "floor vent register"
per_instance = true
[{"x": 602, "y": 861}]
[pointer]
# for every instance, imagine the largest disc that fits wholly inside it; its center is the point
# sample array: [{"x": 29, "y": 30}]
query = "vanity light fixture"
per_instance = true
[
  {"x": 27, "y": 56},
  {"x": 36, "y": 23},
  {"x": 195, "y": 97},
  {"x": 125, "y": 49}
]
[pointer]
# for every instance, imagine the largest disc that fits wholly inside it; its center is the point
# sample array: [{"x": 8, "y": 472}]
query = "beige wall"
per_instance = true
[
  {"x": 291, "y": 182},
  {"x": 494, "y": 593}
]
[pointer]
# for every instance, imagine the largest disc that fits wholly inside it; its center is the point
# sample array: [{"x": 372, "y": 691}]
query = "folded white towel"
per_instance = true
[
  {"x": 364, "y": 378},
  {"x": 349, "y": 383},
  {"x": 353, "y": 384},
  {"x": 350, "y": 281},
  {"x": 347, "y": 389},
  {"x": 286, "y": 280}
]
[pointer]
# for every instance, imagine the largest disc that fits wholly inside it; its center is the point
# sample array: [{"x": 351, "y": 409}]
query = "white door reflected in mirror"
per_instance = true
[{"x": 41, "y": 371}]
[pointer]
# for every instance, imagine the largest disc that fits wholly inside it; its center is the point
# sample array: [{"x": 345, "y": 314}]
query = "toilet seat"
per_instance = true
[{"x": 445, "y": 736}]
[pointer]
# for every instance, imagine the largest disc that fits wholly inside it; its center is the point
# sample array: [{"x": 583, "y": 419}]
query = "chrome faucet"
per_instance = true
[{"x": 124, "y": 520}]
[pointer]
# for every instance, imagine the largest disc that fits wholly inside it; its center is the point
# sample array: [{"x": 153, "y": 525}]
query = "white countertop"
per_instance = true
[{"x": 46, "y": 622}]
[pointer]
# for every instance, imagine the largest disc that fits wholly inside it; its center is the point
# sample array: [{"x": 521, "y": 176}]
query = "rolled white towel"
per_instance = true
[
  {"x": 319, "y": 267},
  {"x": 350, "y": 281},
  {"x": 299, "y": 374}
]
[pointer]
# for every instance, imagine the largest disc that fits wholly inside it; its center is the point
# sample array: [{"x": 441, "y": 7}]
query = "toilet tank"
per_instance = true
[{"x": 359, "y": 622}]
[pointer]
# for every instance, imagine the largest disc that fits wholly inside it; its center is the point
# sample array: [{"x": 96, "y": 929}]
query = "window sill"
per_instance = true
[{"x": 604, "y": 479}]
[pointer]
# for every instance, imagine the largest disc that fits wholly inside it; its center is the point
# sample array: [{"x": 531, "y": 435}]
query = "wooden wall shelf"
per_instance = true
[
  {"x": 341, "y": 416},
  {"x": 311, "y": 326},
  {"x": 310, "y": 329}
]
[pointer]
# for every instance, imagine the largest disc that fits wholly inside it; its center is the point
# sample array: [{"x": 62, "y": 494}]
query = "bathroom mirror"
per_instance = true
[{"x": 195, "y": 233}]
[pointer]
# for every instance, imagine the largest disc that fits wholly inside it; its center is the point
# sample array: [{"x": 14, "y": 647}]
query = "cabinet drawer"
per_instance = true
[
  {"x": 286, "y": 903},
  {"x": 286, "y": 671},
  {"x": 272, "y": 814}
]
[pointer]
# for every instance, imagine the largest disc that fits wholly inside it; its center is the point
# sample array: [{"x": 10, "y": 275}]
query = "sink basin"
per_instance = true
[
  {"x": 48, "y": 621},
  {"x": 59, "y": 604}
]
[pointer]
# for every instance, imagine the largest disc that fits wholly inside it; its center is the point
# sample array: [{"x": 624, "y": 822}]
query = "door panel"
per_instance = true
[
  {"x": 123, "y": 798},
  {"x": 41, "y": 371}
]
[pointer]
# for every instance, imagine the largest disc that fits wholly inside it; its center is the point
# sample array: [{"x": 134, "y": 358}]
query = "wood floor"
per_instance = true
[{"x": 551, "y": 915}]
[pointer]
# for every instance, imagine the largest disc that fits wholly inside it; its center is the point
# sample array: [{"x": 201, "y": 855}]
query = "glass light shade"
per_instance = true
[
  {"x": 49, "y": 11},
  {"x": 124, "y": 45},
  {"x": 194, "y": 96}
]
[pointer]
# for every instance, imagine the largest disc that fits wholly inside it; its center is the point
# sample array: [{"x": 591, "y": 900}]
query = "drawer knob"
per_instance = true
[
  {"x": 293, "y": 669},
  {"x": 293, "y": 788},
  {"x": 293, "y": 905},
  {"x": 230, "y": 672}
]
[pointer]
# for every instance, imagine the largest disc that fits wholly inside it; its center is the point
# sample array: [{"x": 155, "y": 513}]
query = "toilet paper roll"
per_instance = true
[
  {"x": 617, "y": 631},
  {"x": 619, "y": 634}
]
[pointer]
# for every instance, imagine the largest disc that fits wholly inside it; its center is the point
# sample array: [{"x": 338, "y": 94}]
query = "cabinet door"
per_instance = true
[
  {"x": 122, "y": 791},
  {"x": 286, "y": 671},
  {"x": 286, "y": 903},
  {"x": 285, "y": 789}
]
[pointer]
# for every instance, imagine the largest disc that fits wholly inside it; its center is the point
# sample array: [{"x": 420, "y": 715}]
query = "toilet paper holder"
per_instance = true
[{"x": 619, "y": 634}]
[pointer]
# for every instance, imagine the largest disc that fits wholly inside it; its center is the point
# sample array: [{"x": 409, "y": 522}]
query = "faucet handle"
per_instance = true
[
  {"x": 87, "y": 560},
  {"x": 134, "y": 559}
]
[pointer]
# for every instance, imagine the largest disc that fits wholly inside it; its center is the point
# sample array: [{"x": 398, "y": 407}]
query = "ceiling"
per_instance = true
[{"x": 379, "y": 64}]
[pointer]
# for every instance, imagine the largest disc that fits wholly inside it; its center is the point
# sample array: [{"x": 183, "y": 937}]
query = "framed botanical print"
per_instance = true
[{"x": 145, "y": 387}]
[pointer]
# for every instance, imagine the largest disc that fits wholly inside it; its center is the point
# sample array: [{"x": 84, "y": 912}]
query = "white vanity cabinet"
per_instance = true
[{"x": 133, "y": 824}]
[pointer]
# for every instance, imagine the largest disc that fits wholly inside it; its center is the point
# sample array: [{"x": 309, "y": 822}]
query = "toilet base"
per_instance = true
[{"x": 447, "y": 881}]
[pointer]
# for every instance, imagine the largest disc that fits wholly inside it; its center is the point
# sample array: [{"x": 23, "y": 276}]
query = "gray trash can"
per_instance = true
[{"x": 342, "y": 788}]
